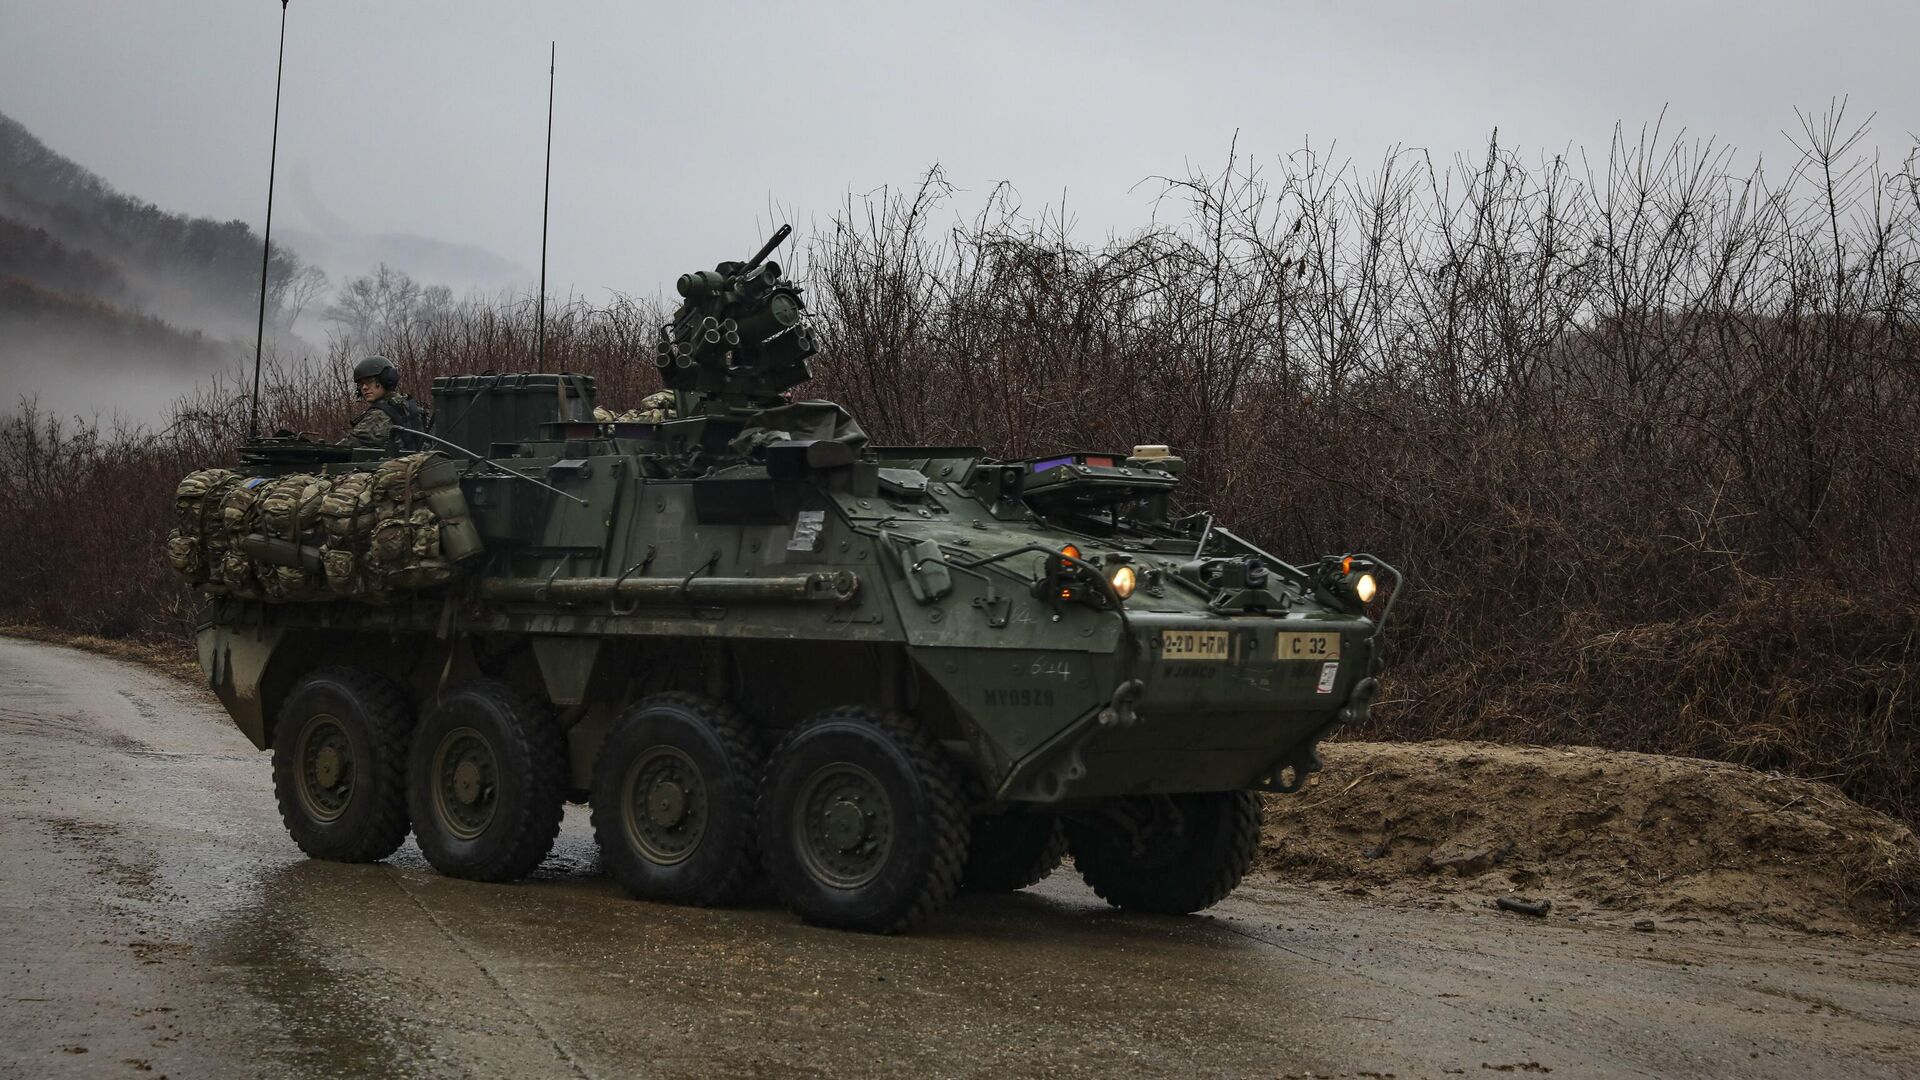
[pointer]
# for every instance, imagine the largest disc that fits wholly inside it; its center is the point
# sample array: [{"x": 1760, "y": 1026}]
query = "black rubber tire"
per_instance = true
[
  {"x": 377, "y": 719},
  {"x": 1013, "y": 850},
  {"x": 921, "y": 870},
  {"x": 1188, "y": 872},
  {"x": 529, "y": 752},
  {"x": 718, "y": 741}
]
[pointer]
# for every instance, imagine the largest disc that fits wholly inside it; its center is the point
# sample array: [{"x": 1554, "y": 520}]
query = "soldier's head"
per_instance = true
[{"x": 375, "y": 377}]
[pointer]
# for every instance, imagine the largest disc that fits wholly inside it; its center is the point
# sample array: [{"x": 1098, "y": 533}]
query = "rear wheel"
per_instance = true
[
  {"x": 340, "y": 764},
  {"x": 673, "y": 801},
  {"x": 862, "y": 822},
  {"x": 486, "y": 782},
  {"x": 1172, "y": 854},
  {"x": 1013, "y": 850}
]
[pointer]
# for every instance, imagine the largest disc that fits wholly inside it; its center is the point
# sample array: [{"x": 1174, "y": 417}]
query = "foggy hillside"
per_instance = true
[
  {"x": 111, "y": 304},
  {"x": 330, "y": 242}
]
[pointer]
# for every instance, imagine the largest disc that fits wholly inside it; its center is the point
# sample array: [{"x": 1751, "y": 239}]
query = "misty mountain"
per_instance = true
[
  {"x": 460, "y": 266},
  {"x": 58, "y": 219},
  {"x": 109, "y": 304}
]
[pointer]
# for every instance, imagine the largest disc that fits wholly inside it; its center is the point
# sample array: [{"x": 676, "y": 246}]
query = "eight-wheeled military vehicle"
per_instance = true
[{"x": 764, "y": 650}]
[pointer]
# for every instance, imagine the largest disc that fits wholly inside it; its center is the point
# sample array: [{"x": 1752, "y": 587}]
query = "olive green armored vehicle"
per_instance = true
[{"x": 767, "y": 652}]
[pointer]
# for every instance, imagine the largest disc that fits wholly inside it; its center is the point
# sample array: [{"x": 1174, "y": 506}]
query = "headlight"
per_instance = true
[
  {"x": 1123, "y": 581},
  {"x": 1365, "y": 588}
]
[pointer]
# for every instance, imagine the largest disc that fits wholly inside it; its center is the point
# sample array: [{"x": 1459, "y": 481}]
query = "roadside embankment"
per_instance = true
[{"x": 1603, "y": 834}]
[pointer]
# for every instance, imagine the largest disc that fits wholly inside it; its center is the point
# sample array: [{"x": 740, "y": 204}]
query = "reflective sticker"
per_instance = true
[
  {"x": 1195, "y": 645},
  {"x": 807, "y": 529},
  {"x": 1296, "y": 645},
  {"x": 1328, "y": 672}
]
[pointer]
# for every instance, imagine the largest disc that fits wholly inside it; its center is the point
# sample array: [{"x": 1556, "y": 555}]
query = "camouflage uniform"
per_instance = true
[
  {"x": 655, "y": 408},
  {"x": 375, "y": 427}
]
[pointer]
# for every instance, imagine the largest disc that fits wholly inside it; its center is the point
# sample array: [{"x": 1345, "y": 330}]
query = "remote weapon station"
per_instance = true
[{"x": 762, "y": 649}]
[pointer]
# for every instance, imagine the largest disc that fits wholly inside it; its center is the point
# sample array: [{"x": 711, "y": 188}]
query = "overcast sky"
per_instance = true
[{"x": 681, "y": 126}]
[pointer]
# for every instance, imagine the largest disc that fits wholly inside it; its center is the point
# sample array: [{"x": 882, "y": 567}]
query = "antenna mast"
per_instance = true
[
  {"x": 546, "y": 198},
  {"x": 266, "y": 238}
]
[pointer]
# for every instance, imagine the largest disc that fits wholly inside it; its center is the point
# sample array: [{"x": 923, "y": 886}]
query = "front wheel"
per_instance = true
[
  {"x": 340, "y": 764},
  {"x": 1013, "y": 850},
  {"x": 1171, "y": 854},
  {"x": 862, "y": 822},
  {"x": 487, "y": 782}
]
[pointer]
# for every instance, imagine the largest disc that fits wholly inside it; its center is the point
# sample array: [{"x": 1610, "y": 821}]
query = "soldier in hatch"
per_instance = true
[{"x": 387, "y": 409}]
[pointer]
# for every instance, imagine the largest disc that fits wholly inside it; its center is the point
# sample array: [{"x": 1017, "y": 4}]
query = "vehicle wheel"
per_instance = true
[
  {"x": 340, "y": 764},
  {"x": 673, "y": 800},
  {"x": 1189, "y": 852},
  {"x": 862, "y": 822},
  {"x": 1013, "y": 850},
  {"x": 486, "y": 781}
]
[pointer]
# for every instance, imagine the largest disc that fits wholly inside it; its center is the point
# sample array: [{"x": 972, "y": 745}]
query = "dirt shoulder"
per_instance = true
[
  {"x": 1607, "y": 836},
  {"x": 169, "y": 658}
]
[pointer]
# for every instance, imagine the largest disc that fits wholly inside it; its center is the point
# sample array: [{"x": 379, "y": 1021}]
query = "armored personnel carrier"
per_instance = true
[{"x": 764, "y": 650}]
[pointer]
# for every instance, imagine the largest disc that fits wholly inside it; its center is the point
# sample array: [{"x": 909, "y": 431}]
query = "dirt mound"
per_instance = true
[{"x": 1603, "y": 834}]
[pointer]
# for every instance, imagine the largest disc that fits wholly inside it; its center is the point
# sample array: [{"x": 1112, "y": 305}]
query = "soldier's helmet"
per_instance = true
[{"x": 377, "y": 367}]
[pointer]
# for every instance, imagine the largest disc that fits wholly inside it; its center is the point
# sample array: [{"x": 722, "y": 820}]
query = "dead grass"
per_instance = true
[
  {"x": 1605, "y": 835},
  {"x": 1643, "y": 438},
  {"x": 169, "y": 657}
]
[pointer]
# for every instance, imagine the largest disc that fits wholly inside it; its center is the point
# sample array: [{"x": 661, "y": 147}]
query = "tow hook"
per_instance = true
[
  {"x": 1359, "y": 705},
  {"x": 1119, "y": 712}
]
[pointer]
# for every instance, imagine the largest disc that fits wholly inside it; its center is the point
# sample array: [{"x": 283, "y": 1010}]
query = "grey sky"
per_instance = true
[{"x": 680, "y": 125}]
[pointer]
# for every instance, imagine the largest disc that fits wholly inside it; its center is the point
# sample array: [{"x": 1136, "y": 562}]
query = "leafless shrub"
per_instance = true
[{"x": 1645, "y": 432}]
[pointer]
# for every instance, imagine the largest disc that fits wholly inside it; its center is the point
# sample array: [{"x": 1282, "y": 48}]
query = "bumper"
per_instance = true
[{"x": 1163, "y": 720}]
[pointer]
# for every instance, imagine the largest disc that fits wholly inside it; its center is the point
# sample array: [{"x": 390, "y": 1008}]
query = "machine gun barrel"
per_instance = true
[{"x": 766, "y": 249}]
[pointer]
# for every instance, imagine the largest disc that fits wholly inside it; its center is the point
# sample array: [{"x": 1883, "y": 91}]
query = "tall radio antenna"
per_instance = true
[
  {"x": 266, "y": 237},
  {"x": 546, "y": 197}
]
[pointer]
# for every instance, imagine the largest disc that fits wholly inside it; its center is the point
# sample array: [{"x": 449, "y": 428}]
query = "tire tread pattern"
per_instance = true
[
  {"x": 544, "y": 747},
  {"x": 1182, "y": 894},
  {"x": 998, "y": 863},
  {"x": 391, "y": 713},
  {"x": 742, "y": 745},
  {"x": 945, "y": 799}
]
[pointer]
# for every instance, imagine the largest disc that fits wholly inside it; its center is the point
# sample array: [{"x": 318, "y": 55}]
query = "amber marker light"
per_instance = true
[{"x": 1123, "y": 581}]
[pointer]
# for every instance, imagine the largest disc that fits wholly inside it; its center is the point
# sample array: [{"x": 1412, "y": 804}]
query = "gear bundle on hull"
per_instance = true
[{"x": 401, "y": 527}]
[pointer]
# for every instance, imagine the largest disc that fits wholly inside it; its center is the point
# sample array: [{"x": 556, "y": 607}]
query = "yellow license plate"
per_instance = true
[
  {"x": 1195, "y": 645},
  {"x": 1306, "y": 645}
]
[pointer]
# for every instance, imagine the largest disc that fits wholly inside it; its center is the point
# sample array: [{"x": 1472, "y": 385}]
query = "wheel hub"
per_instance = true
[
  {"x": 667, "y": 804},
  {"x": 323, "y": 776},
  {"x": 327, "y": 766},
  {"x": 843, "y": 826},
  {"x": 466, "y": 783},
  {"x": 846, "y": 825}
]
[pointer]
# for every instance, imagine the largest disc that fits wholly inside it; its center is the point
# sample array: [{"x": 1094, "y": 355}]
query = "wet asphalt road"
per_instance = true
[{"x": 158, "y": 922}]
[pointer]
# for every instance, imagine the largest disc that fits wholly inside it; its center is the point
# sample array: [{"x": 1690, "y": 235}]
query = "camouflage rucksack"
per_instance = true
[{"x": 197, "y": 499}]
